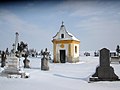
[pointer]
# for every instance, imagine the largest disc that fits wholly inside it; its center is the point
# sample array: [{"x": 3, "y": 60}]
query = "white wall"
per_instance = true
[{"x": 76, "y": 54}]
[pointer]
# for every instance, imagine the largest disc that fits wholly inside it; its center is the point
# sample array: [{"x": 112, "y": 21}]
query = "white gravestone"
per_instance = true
[
  {"x": 13, "y": 68},
  {"x": 12, "y": 65}
]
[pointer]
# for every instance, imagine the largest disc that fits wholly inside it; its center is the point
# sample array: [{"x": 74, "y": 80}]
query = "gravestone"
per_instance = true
[
  {"x": 115, "y": 59},
  {"x": 26, "y": 61},
  {"x": 3, "y": 59},
  {"x": 104, "y": 72},
  {"x": 12, "y": 65},
  {"x": 96, "y": 53},
  {"x": 44, "y": 64},
  {"x": 44, "y": 60},
  {"x": 12, "y": 68}
]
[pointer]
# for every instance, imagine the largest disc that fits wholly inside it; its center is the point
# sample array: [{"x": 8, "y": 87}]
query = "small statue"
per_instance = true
[{"x": 44, "y": 60}]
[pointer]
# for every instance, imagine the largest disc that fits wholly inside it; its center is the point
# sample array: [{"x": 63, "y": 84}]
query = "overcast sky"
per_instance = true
[{"x": 95, "y": 23}]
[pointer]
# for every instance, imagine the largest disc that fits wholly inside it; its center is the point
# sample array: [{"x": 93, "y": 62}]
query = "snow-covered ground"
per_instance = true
[{"x": 68, "y": 76}]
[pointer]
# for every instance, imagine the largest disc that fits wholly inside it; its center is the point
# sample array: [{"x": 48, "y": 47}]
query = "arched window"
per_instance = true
[
  {"x": 62, "y": 35},
  {"x": 75, "y": 49}
]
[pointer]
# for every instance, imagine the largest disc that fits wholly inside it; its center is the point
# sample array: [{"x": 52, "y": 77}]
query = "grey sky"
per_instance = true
[{"x": 95, "y": 23}]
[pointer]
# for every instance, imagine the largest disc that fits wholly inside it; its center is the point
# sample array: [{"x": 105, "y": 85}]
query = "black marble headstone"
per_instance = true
[{"x": 104, "y": 72}]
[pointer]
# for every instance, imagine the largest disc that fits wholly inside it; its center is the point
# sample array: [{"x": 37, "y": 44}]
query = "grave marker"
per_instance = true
[
  {"x": 104, "y": 72},
  {"x": 44, "y": 60}
]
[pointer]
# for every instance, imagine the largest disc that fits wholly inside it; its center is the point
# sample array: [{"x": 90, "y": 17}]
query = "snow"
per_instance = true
[
  {"x": 72, "y": 36},
  {"x": 68, "y": 76}
]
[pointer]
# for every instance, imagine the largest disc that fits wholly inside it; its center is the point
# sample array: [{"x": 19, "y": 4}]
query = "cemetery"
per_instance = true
[
  {"x": 60, "y": 45},
  {"x": 11, "y": 63},
  {"x": 62, "y": 76},
  {"x": 69, "y": 71}
]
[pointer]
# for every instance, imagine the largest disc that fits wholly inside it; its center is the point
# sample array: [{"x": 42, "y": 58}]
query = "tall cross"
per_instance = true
[{"x": 16, "y": 41}]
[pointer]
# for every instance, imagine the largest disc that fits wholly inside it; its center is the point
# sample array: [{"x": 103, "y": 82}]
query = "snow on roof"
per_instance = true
[
  {"x": 73, "y": 37},
  {"x": 68, "y": 36}
]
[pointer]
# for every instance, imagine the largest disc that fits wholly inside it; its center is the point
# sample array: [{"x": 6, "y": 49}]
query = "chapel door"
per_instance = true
[{"x": 62, "y": 56}]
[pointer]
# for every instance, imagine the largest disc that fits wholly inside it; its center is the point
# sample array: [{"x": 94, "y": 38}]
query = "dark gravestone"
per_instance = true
[
  {"x": 44, "y": 60},
  {"x": 3, "y": 59},
  {"x": 104, "y": 72},
  {"x": 26, "y": 61},
  {"x": 44, "y": 64}
]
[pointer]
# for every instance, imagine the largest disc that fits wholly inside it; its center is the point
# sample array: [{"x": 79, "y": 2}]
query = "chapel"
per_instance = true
[{"x": 65, "y": 47}]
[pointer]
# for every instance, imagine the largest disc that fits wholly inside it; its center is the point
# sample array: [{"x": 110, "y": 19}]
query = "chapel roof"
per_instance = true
[{"x": 68, "y": 35}]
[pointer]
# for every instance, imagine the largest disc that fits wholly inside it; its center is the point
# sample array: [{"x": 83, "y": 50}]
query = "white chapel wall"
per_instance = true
[{"x": 76, "y": 54}]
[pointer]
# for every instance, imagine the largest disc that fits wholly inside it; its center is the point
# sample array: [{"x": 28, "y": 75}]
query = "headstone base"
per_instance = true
[
  {"x": 104, "y": 74},
  {"x": 7, "y": 73},
  {"x": 95, "y": 79},
  {"x": 44, "y": 68}
]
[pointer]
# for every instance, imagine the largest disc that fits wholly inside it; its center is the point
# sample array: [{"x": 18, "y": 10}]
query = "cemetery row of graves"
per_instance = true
[
  {"x": 104, "y": 72},
  {"x": 10, "y": 62}
]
